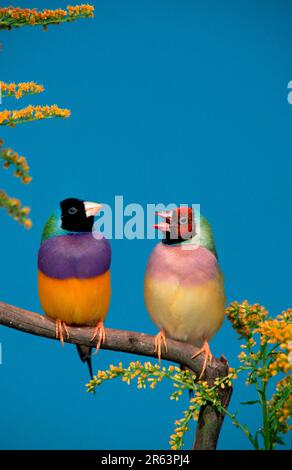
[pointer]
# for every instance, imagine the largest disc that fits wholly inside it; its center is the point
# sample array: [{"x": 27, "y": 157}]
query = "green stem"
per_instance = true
[
  {"x": 186, "y": 422},
  {"x": 24, "y": 93},
  {"x": 243, "y": 428},
  {"x": 262, "y": 393},
  {"x": 15, "y": 122},
  {"x": 10, "y": 23}
]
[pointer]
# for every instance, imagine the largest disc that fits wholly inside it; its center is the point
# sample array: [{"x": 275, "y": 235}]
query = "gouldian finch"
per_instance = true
[
  {"x": 74, "y": 271},
  {"x": 184, "y": 289}
]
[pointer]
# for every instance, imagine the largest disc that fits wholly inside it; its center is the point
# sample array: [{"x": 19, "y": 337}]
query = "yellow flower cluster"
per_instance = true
[
  {"x": 12, "y": 158},
  {"x": 16, "y": 17},
  {"x": 17, "y": 90},
  {"x": 266, "y": 362},
  {"x": 286, "y": 315},
  {"x": 245, "y": 317},
  {"x": 14, "y": 208},
  {"x": 225, "y": 381},
  {"x": 275, "y": 330},
  {"x": 146, "y": 373},
  {"x": 31, "y": 113},
  {"x": 204, "y": 394},
  {"x": 281, "y": 402},
  {"x": 199, "y": 400},
  {"x": 279, "y": 364},
  {"x": 84, "y": 9},
  {"x": 181, "y": 428}
]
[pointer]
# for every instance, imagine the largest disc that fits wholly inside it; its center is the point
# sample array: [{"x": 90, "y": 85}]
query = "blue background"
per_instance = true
[{"x": 181, "y": 102}]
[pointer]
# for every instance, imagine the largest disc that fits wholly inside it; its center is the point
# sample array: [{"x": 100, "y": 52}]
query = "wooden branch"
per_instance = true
[{"x": 210, "y": 422}]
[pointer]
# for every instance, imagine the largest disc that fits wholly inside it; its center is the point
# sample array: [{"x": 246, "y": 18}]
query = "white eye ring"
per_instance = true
[
  {"x": 183, "y": 220},
  {"x": 72, "y": 210}
]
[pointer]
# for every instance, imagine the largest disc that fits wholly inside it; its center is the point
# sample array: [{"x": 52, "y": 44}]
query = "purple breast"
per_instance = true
[{"x": 79, "y": 256}]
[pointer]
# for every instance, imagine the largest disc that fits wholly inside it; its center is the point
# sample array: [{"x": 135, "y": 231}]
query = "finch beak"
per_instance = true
[
  {"x": 163, "y": 226},
  {"x": 91, "y": 208}
]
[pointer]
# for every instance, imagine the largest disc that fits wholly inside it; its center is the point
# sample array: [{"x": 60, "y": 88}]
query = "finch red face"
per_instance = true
[{"x": 178, "y": 226}]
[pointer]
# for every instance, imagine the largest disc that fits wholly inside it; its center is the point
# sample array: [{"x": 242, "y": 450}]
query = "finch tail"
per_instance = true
[{"x": 85, "y": 356}]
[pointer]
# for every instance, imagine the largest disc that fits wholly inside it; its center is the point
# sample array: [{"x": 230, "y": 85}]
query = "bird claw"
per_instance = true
[
  {"x": 208, "y": 356},
  {"x": 59, "y": 331},
  {"x": 159, "y": 341},
  {"x": 100, "y": 331}
]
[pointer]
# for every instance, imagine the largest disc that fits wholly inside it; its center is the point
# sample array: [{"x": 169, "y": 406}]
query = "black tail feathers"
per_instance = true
[{"x": 85, "y": 356}]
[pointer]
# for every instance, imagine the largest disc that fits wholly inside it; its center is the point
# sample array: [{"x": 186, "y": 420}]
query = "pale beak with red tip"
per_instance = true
[
  {"x": 164, "y": 214},
  {"x": 163, "y": 226},
  {"x": 91, "y": 208}
]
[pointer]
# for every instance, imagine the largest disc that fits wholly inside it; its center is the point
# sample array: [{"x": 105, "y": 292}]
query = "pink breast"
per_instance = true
[{"x": 189, "y": 267}]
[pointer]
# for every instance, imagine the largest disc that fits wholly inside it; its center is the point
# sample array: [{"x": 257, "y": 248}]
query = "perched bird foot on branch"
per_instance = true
[
  {"x": 100, "y": 331},
  {"x": 208, "y": 356},
  {"x": 159, "y": 341},
  {"x": 60, "y": 325}
]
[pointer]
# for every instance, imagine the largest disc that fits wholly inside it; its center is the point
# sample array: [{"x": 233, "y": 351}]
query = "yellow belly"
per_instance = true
[
  {"x": 186, "y": 313},
  {"x": 75, "y": 301}
]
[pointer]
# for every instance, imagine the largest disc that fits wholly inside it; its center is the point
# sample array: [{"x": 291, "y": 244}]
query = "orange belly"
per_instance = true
[{"x": 75, "y": 301}]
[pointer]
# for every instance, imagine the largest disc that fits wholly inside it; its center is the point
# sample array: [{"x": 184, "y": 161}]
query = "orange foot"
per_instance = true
[
  {"x": 208, "y": 356},
  {"x": 59, "y": 331},
  {"x": 100, "y": 331},
  {"x": 160, "y": 340}
]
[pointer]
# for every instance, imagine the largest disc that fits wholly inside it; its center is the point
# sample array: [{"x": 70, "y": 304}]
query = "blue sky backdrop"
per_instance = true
[{"x": 172, "y": 101}]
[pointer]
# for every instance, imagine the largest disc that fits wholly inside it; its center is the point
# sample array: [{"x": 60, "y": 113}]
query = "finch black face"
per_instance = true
[
  {"x": 74, "y": 218},
  {"x": 179, "y": 226}
]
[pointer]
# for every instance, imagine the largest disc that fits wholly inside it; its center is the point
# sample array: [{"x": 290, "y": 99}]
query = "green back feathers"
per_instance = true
[
  {"x": 206, "y": 236},
  {"x": 53, "y": 227}
]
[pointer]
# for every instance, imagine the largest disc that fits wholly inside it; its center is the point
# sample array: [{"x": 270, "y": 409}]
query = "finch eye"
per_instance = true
[
  {"x": 183, "y": 220},
  {"x": 72, "y": 210}
]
